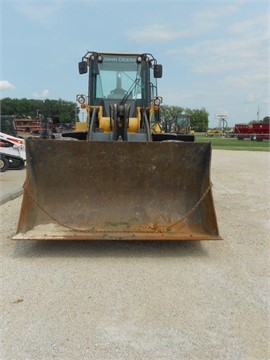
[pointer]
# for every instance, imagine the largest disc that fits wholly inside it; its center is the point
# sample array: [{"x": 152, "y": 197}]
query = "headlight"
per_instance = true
[
  {"x": 81, "y": 99},
  {"x": 157, "y": 102}
]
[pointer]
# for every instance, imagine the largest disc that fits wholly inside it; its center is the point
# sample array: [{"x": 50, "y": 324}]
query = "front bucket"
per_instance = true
[{"x": 79, "y": 190}]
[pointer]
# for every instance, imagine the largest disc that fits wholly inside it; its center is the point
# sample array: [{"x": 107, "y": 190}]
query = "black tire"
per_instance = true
[
  {"x": 3, "y": 164},
  {"x": 20, "y": 165}
]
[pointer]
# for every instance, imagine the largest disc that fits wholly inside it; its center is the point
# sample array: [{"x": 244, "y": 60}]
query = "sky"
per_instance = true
[{"x": 215, "y": 54}]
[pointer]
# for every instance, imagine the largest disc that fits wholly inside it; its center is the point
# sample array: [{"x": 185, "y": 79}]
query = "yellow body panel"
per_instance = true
[
  {"x": 81, "y": 126},
  {"x": 105, "y": 122}
]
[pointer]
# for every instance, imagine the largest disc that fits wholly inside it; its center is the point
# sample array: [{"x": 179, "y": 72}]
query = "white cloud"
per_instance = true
[
  {"x": 153, "y": 33},
  {"x": 6, "y": 85},
  {"x": 251, "y": 27},
  {"x": 256, "y": 79},
  {"x": 161, "y": 33},
  {"x": 217, "y": 11},
  {"x": 43, "y": 95},
  {"x": 58, "y": 62},
  {"x": 253, "y": 97},
  {"x": 244, "y": 49},
  {"x": 244, "y": 56},
  {"x": 39, "y": 12},
  {"x": 199, "y": 23}
]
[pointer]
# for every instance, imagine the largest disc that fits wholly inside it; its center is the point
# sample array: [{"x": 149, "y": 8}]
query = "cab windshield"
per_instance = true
[
  {"x": 182, "y": 121},
  {"x": 118, "y": 76}
]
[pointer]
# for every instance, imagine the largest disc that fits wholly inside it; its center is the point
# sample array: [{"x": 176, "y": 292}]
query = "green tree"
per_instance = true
[
  {"x": 198, "y": 117},
  {"x": 64, "y": 111},
  {"x": 168, "y": 113},
  {"x": 199, "y": 120}
]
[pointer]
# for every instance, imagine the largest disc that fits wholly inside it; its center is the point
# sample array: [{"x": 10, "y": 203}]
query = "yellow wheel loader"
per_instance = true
[{"x": 115, "y": 177}]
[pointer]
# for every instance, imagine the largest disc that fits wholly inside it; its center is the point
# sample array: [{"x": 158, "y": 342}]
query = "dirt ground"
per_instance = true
[{"x": 132, "y": 300}]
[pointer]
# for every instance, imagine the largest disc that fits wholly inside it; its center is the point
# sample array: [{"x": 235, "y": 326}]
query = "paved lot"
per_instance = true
[
  {"x": 154, "y": 301},
  {"x": 11, "y": 184}
]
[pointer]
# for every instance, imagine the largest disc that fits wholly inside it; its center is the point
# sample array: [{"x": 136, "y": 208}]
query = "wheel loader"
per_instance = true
[{"x": 117, "y": 177}]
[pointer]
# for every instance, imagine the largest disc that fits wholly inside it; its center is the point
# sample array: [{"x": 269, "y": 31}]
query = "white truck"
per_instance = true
[{"x": 12, "y": 152}]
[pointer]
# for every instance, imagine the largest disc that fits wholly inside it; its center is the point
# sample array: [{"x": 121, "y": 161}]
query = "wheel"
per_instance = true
[
  {"x": 3, "y": 164},
  {"x": 20, "y": 165}
]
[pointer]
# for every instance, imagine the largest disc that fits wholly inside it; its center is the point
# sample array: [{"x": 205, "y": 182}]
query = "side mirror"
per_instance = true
[
  {"x": 157, "y": 71},
  {"x": 83, "y": 67}
]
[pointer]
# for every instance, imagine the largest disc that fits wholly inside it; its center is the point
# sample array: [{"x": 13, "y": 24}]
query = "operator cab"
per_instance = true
[
  {"x": 121, "y": 93},
  {"x": 122, "y": 77}
]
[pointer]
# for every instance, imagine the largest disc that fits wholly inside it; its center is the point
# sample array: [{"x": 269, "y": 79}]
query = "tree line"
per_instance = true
[
  {"x": 61, "y": 111},
  {"x": 67, "y": 111},
  {"x": 265, "y": 120}
]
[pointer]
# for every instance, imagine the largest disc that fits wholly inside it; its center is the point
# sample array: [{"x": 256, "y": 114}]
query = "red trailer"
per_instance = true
[{"x": 255, "y": 131}]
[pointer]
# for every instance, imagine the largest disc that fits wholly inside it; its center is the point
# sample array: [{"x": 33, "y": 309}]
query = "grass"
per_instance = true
[{"x": 219, "y": 142}]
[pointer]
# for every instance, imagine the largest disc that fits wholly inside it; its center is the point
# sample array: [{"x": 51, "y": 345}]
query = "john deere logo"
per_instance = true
[{"x": 119, "y": 59}]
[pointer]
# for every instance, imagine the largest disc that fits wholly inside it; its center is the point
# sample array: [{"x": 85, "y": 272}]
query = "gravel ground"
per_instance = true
[{"x": 132, "y": 300}]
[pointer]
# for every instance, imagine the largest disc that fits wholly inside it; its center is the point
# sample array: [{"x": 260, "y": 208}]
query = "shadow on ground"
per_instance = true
[{"x": 107, "y": 249}]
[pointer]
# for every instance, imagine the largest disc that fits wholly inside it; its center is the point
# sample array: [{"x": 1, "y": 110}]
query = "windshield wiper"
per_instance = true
[{"x": 129, "y": 92}]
